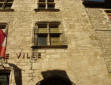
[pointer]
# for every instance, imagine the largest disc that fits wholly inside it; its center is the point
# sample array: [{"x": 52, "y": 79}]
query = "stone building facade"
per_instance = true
[{"x": 74, "y": 48}]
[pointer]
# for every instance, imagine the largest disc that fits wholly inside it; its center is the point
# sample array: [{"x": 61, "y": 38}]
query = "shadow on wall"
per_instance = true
[
  {"x": 17, "y": 74},
  {"x": 55, "y": 77},
  {"x": 94, "y": 4},
  {"x": 91, "y": 4}
]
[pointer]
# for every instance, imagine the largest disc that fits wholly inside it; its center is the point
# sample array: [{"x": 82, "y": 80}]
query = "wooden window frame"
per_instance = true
[
  {"x": 44, "y": 43},
  {"x": 46, "y": 5},
  {"x": 49, "y": 36}
]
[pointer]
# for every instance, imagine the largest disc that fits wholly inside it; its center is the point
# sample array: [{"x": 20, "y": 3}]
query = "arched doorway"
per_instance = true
[{"x": 55, "y": 80}]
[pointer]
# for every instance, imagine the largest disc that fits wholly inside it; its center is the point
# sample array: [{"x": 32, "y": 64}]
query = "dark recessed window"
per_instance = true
[
  {"x": 48, "y": 34},
  {"x": 46, "y": 4},
  {"x": 6, "y": 4},
  {"x": 3, "y": 25}
]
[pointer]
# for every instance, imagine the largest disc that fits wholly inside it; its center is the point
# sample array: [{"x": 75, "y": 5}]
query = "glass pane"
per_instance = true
[
  {"x": 55, "y": 39},
  {"x": 50, "y": 0},
  {"x": 8, "y": 5},
  {"x": 42, "y": 28},
  {"x": 42, "y": 25},
  {"x": 53, "y": 27},
  {"x": 42, "y": 40},
  {"x": 51, "y": 6},
  {"x": 41, "y": 5},
  {"x": 41, "y": 0}
]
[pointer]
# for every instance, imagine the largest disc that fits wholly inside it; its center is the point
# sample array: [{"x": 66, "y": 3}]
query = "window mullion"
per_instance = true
[
  {"x": 5, "y": 1},
  {"x": 36, "y": 35},
  {"x": 46, "y": 4},
  {"x": 48, "y": 36}
]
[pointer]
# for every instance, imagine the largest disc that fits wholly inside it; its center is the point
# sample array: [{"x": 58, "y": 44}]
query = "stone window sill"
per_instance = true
[
  {"x": 46, "y": 10},
  {"x": 54, "y": 46}
]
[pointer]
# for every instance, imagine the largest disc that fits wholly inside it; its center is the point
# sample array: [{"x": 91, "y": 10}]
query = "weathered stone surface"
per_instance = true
[{"x": 83, "y": 60}]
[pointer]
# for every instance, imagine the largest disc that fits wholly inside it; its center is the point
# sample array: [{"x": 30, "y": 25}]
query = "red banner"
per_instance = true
[{"x": 2, "y": 43}]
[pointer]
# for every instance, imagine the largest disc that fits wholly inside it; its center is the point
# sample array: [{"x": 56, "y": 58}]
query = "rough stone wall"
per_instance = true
[
  {"x": 102, "y": 26},
  {"x": 83, "y": 60}
]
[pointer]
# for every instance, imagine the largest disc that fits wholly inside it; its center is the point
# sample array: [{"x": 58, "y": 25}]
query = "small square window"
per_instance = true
[
  {"x": 3, "y": 26},
  {"x": 5, "y": 4},
  {"x": 46, "y": 5},
  {"x": 48, "y": 35},
  {"x": 42, "y": 40}
]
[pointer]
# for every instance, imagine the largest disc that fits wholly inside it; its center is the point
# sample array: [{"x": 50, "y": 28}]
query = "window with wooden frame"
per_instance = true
[
  {"x": 5, "y": 5},
  {"x": 46, "y": 5},
  {"x": 48, "y": 34}
]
